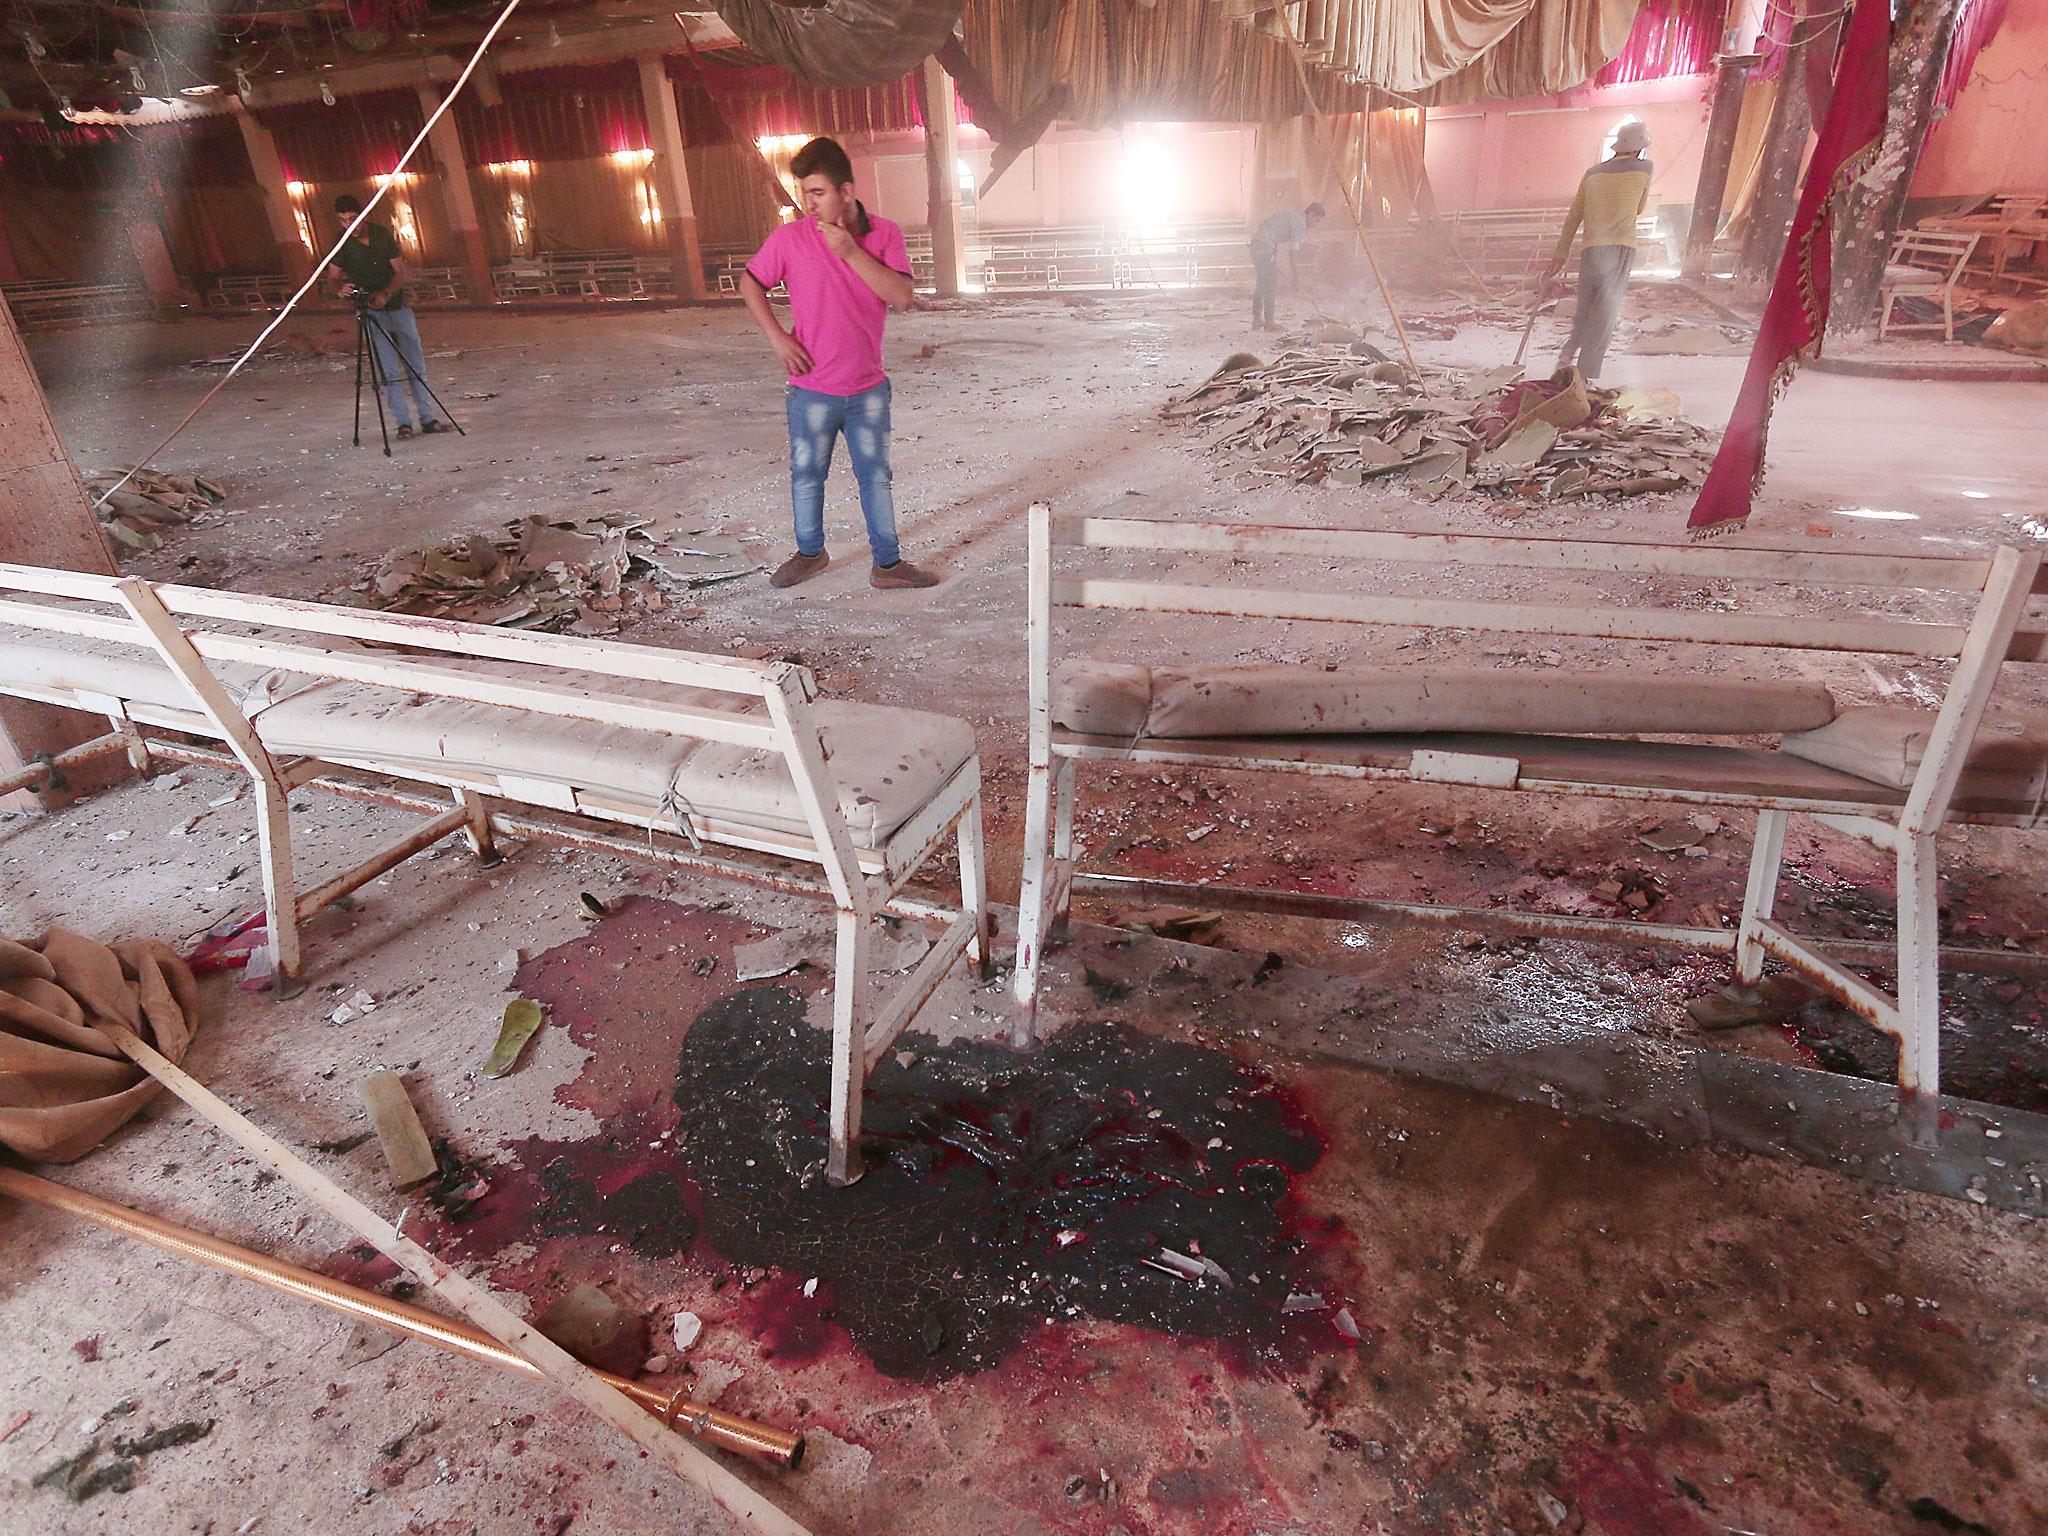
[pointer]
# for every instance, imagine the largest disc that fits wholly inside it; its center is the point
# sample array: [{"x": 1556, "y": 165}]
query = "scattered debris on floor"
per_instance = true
[
  {"x": 585, "y": 576},
  {"x": 1694, "y": 340},
  {"x": 84, "y": 1475},
  {"x": 138, "y": 515},
  {"x": 1344, "y": 414},
  {"x": 596, "y": 1329},
  {"x": 522, "y": 1019}
]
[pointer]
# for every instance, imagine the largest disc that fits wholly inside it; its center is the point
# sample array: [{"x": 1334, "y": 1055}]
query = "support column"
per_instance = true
[
  {"x": 292, "y": 256},
  {"x": 459, "y": 199},
  {"x": 671, "y": 172},
  {"x": 1730, "y": 86},
  {"x": 167, "y": 291},
  {"x": 10, "y": 266},
  {"x": 941, "y": 175},
  {"x": 45, "y": 519},
  {"x": 1784, "y": 158}
]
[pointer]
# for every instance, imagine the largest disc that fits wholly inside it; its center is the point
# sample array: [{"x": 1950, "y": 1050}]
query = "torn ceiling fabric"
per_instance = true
[
  {"x": 1220, "y": 61},
  {"x": 844, "y": 42}
]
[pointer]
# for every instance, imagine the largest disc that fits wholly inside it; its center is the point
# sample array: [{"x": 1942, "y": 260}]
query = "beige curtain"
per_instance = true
[
  {"x": 1212, "y": 61},
  {"x": 1558, "y": 45}
]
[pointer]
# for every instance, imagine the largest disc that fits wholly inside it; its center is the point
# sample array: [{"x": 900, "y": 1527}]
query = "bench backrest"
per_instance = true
[
  {"x": 1997, "y": 589},
  {"x": 1944, "y": 251},
  {"x": 765, "y": 706}
]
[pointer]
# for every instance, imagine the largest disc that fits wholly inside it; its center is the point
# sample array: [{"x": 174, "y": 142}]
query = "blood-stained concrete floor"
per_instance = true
[{"x": 1563, "y": 1321}]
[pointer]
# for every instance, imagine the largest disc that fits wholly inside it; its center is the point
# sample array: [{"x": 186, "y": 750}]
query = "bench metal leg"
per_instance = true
[
  {"x": 974, "y": 887},
  {"x": 476, "y": 829},
  {"x": 280, "y": 896},
  {"x": 849, "y": 1047},
  {"x": 1919, "y": 1013},
  {"x": 1031, "y": 902},
  {"x": 1062, "y": 893},
  {"x": 1761, "y": 899}
]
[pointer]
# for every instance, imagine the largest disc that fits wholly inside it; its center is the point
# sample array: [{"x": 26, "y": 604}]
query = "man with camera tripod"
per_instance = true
[{"x": 370, "y": 269}]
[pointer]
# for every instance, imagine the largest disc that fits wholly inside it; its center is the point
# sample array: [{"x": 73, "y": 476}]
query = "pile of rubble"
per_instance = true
[
  {"x": 137, "y": 516},
  {"x": 585, "y": 576},
  {"x": 1346, "y": 414}
]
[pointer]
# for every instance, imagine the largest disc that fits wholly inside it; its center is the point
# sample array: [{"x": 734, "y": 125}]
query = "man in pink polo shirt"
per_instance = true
[{"x": 845, "y": 270}]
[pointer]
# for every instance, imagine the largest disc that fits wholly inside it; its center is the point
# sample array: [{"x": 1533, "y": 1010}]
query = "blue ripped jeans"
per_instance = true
[{"x": 815, "y": 420}]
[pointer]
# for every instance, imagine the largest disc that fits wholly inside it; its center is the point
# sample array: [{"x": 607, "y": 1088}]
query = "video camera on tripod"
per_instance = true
[{"x": 368, "y": 351}]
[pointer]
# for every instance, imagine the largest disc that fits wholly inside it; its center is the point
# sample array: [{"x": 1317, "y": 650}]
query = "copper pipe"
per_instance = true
[{"x": 726, "y": 1430}]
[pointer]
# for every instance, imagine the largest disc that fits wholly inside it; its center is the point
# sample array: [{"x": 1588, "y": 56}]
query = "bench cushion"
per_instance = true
[
  {"x": 888, "y": 763},
  {"x": 1113, "y": 699},
  {"x": 42, "y": 662},
  {"x": 1885, "y": 744},
  {"x": 1898, "y": 275}
]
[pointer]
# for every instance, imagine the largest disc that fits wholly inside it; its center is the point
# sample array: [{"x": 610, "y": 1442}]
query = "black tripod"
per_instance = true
[{"x": 366, "y": 349}]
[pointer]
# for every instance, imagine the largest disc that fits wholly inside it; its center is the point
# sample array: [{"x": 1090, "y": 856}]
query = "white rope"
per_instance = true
[{"x": 384, "y": 185}]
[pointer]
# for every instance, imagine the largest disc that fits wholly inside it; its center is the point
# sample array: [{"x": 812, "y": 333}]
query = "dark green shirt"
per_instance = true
[{"x": 367, "y": 261}]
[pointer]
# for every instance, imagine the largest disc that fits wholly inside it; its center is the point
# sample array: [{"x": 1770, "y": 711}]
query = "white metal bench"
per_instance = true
[
  {"x": 1830, "y": 771},
  {"x": 685, "y": 749},
  {"x": 1925, "y": 264}
]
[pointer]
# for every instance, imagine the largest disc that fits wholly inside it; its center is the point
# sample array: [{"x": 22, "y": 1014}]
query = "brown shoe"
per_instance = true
[
  {"x": 902, "y": 574},
  {"x": 799, "y": 568}
]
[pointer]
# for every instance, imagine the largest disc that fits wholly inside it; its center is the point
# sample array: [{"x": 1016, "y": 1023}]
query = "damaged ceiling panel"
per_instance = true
[{"x": 844, "y": 42}]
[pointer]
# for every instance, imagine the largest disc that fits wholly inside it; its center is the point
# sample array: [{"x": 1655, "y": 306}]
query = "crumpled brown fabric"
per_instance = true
[
  {"x": 844, "y": 42},
  {"x": 64, "y": 1086}
]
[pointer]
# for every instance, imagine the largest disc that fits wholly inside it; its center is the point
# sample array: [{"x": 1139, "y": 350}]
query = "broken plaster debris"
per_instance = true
[
  {"x": 1344, "y": 415},
  {"x": 137, "y": 515},
  {"x": 585, "y": 576}
]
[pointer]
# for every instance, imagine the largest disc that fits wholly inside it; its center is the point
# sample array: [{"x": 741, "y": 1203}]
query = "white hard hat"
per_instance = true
[{"x": 1631, "y": 138}]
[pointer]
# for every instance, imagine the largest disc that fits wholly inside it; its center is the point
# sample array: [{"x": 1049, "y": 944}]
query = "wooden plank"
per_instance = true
[
  {"x": 1878, "y": 637},
  {"x": 752, "y": 1509},
  {"x": 408, "y": 1155},
  {"x": 1937, "y": 573}
]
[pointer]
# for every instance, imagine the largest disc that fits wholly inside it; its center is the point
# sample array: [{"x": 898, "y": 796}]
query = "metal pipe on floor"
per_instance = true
[{"x": 725, "y": 1430}]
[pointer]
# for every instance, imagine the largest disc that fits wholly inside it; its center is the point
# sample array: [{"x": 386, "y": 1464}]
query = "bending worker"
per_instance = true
[
  {"x": 1284, "y": 231},
  {"x": 1612, "y": 196}
]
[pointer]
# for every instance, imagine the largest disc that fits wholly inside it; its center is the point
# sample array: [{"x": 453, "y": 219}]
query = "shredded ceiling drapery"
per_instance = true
[
  {"x": 844, "y": 42},
  {"x": 1220, "y": 60}
]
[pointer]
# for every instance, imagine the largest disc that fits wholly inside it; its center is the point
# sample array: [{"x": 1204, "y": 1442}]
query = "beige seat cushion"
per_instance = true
[
  {"x": 66, "y": 664},
  {"x": 1886, "y": 743},
  {"x": 1112, "y": 699},
  {"x": 1899, "y": 276},
  {"x": 887, "y": 763}
]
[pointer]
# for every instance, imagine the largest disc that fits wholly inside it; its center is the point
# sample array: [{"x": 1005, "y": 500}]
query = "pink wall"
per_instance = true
[
  {"x": 1995, "y": 138},
  {"x": 1530, "y": 154},
  {"x": 1178, "y": 173}
]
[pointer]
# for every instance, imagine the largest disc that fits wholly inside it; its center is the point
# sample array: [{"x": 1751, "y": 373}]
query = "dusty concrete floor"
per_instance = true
[{"x": 1554, "y": 1314}]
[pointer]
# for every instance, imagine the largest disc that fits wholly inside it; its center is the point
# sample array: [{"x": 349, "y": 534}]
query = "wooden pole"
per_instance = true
[
  {"x": 1308, "y": 95},
  {"x": 750, "y": 1508},
  {"x": 1730, "y": 86}
]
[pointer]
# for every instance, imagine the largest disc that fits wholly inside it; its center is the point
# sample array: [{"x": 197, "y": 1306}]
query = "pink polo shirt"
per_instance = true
[{"x": 836, "y": 316}]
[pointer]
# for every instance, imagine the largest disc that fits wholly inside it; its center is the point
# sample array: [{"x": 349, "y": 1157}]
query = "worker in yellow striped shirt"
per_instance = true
[{"x": 1612, "y": 196}]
